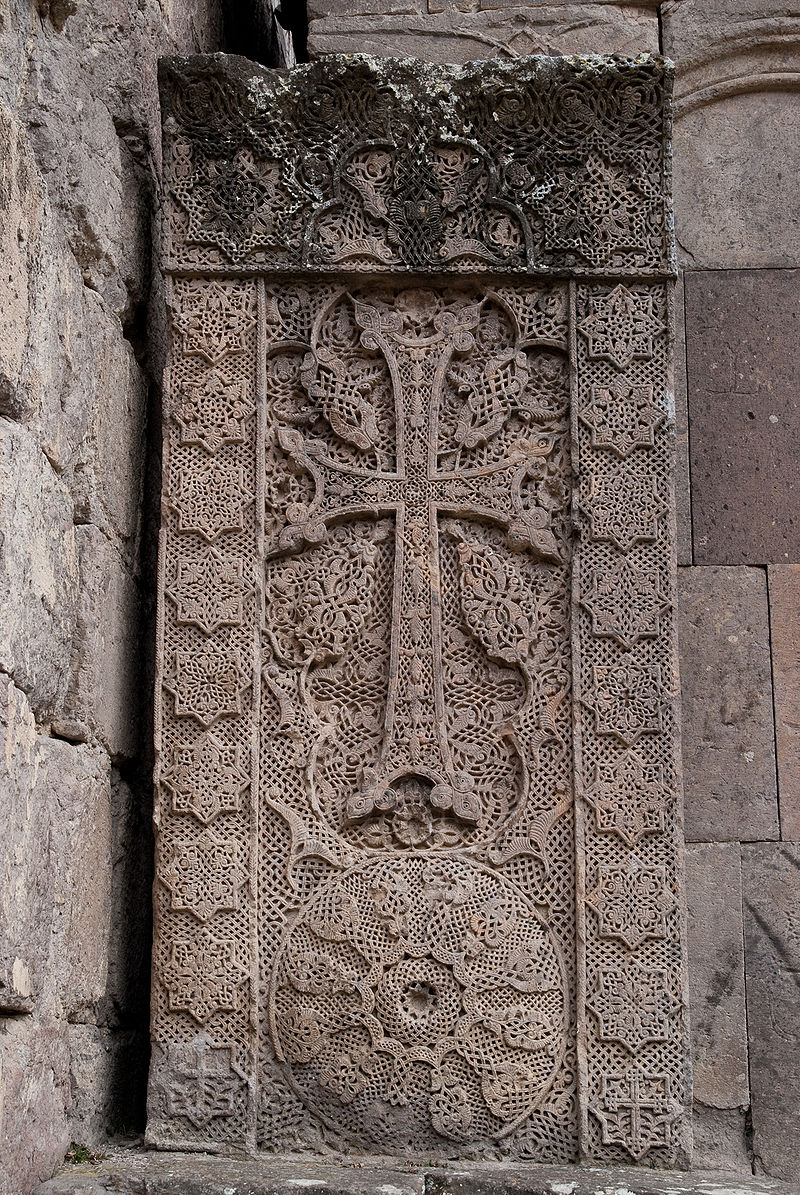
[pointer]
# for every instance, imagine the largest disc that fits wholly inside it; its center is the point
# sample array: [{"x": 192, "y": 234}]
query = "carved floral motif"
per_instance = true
[
  {"x": 206, "y": 779},
  {"x": 210, "y": 498},
  {"x": 204, "y": 975},
  {"x": 210, "y": 412},
  {"x": 631, "y": 901},
  {"x": 627, "y": 700},
  {"x": 204, "y": 874},
  {"x": 625, "y": 508},
  {"x": 438, "y": 965}
]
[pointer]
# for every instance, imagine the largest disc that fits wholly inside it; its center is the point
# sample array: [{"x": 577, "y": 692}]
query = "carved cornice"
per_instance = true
[{"x": 407, "y": 166}]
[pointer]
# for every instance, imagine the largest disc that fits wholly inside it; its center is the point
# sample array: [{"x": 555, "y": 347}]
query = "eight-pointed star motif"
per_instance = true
[
  {"x": 632, "y": 1004},
  {"x": 206, "y": 778},
  {"x": 204, "y": 975},
  {"x": 211, "y": 498},
  {"x": 207, "y": 684},
  {"x": 627, "y": 700},
  {"x": 204, "y": 875},
  {"x": 209, "y": 591},
  {"x": 625, "y": 603},
  {"x": 624, "y": 508},
  {"x": 210, "y": 413},
  {"x": 631, "y": 901},
  {"x": 621, "y": 326},
  {"x": 628, "y": 798},
  {"x": 622, "y": 416}
]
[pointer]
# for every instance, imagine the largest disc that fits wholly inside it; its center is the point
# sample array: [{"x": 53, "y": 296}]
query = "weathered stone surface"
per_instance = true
[
  {"x": 682, "y": 476},
  {"x": 771, "y": 883},
  {"x": 130, "y": 1172},
  {"x": 19, "y": 213},
  {"x": 445, "y": 32},
  {"x": 734, "y": 133},
  {"x": 744, "y": 407},
  {"x": 784, "y": 615},
  {"x": 721, "y": 1140},
  {"x": 728, "y": 740},
  {"x": 105, "y": 692},
  {"x": 716, "y": 975},
  {"x": 105, "y": 1096},
  {"x": 55, "y": 873},
  {"x": 38, "y": 570},
  {"x": 34, "y": 1098}
]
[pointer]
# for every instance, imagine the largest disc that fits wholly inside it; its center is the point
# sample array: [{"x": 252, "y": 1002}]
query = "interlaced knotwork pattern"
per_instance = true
[{"x": 395, "y": 909}]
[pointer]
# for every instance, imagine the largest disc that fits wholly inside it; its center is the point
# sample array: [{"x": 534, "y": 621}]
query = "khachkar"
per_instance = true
[{"x": 418, "y": 885}]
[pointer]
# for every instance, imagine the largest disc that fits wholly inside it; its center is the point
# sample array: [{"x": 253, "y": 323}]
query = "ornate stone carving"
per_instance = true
[
  {"x": 433, "y": 966},
  {"x": 621, "y": 326},
  {"x": 550, "y": 165},
  {"x": 631, "y": 901},
  {"x": 636, "y": 1111},
  {"x": 199, "y": 1082},
  {"x": 206, "y": 778},
  {"x": 204, "y": 975},
  {"x": 399, "y": 393},
  {"x": 209, "y": 591},
  {"x": 628, "y": 796},
  {"x": 626, "y": 603},
  {"x": 204, "y": 874},
  {"x": 633, "y": 1005}
]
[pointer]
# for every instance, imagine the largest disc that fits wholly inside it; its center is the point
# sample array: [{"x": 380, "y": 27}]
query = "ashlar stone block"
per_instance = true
[
  {"x": 38, "y": 571},
  {"x": 771, "y": 884},
  {"x": 744, "y": 414},
  {"x": 716, "y": 975},
  {"x": 442, "y": 31},
  {"x": 374, "y": 479},
  {"x": 784, "y": 614},
  {"x": 726, "y": 686}
]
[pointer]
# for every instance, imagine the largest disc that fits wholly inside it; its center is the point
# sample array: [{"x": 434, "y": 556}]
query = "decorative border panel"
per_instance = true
[
  {"x": 551, "y": 164},
  {"x": 631, "y": 1004},
  {"x": 343, "y": 242}
]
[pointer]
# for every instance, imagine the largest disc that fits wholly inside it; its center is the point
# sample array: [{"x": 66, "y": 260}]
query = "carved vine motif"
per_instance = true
[
  {"x": 433, "y": 410},
  {"x": 434, "y": 969},
  {"x": 359, "y": 165}
]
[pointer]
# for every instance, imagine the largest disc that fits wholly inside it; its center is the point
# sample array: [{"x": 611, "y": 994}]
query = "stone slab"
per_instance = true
[
  {"x": 445, "y": 33},
  {"x": 145, "y": 1173},
  {"x": 721, "y": 1139},
  {"x": 743, "y": 327},
  {"x": 716, "y": 974},
  {"x": 784, "y": 615},
  {"x": 735, "y": 96},
  {"x": 728, "y": 740},
  {"x": 771, "y": 886},
  {"x": 681, "y": 473}
]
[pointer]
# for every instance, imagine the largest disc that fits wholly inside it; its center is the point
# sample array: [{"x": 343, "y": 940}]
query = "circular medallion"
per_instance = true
[{"x": 419, "y": 1003}]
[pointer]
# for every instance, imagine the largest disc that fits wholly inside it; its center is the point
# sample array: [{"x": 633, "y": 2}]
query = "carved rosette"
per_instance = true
[
  {"x": 370, "y": 890},
  {"x": 626, "y": 685},
  {"x": 427, "y": 985}
]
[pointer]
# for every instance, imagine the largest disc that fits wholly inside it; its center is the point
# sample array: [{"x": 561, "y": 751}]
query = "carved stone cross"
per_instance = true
[
  {"x": 418, "y": 347},
  {"x": 418, "y": 886}
]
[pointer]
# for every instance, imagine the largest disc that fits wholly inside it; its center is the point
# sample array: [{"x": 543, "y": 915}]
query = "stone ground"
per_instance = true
[{"x": 138, "y": 1172}]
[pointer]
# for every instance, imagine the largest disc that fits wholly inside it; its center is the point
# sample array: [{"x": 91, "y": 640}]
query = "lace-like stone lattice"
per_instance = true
[{"x": 379, "y": 647}]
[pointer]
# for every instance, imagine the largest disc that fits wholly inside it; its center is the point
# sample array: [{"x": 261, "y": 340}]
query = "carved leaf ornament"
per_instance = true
[{"x": 415, "y": 720}]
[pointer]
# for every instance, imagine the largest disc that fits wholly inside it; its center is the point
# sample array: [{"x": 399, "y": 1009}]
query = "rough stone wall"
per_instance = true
[
  {"x": 737, "y": 143},
  {"x": 79, "y": 418}
]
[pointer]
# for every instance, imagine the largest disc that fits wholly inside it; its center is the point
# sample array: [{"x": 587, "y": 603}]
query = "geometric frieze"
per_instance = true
[{"x": 415, "y": 720}]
